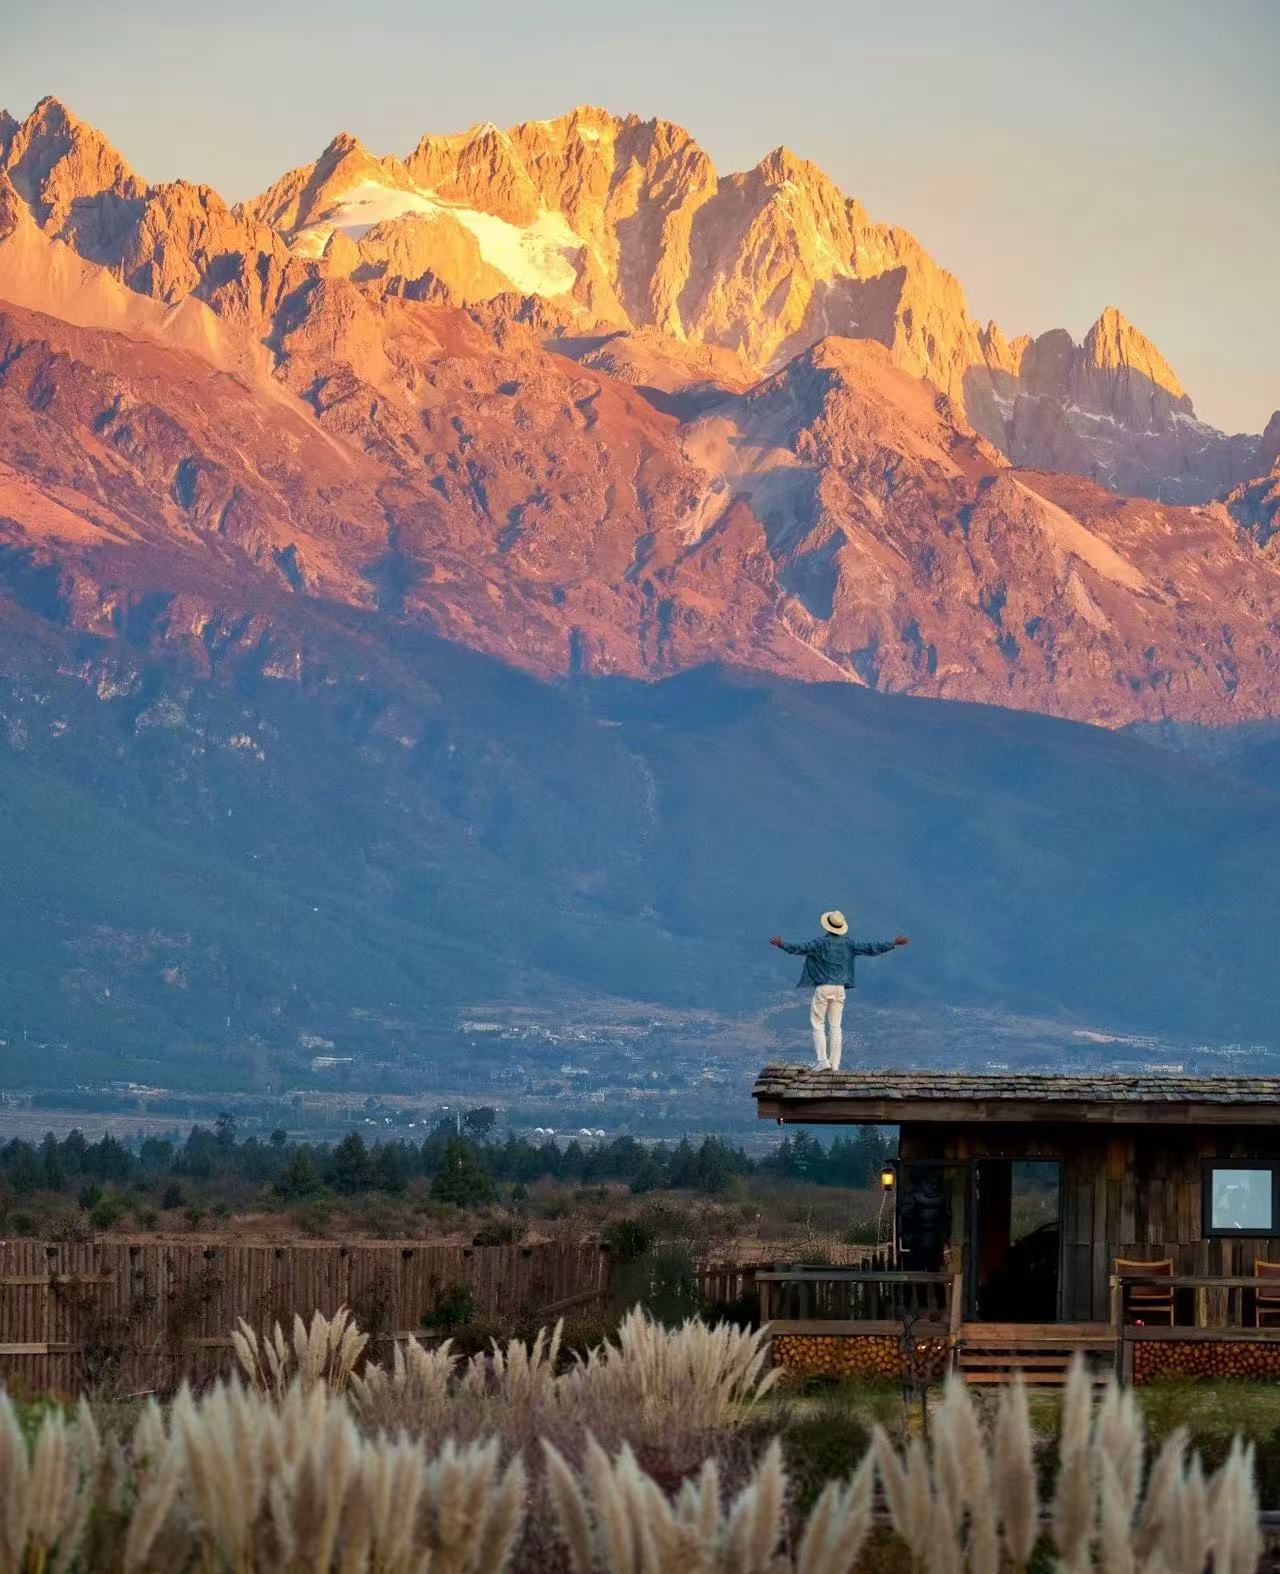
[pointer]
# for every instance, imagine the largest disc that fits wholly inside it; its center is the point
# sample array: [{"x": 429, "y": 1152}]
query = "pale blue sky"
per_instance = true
[{"x": 1057, "y": 157}]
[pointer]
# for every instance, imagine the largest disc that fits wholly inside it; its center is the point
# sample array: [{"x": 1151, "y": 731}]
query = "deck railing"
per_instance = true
[
  {"x": 1220, "y": 1327},
  {"x": 1203, "y": 1303},
  {"x": 856, "y": 1300}
]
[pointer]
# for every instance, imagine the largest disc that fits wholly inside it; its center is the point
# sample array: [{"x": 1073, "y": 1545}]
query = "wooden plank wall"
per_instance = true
[
  {"x": 1126, "y": 1192},
  {"x": 142, "y": 1316}
]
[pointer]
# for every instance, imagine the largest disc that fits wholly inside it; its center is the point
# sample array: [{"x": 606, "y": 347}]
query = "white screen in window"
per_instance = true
[{"x": 1241, "y": 1199}]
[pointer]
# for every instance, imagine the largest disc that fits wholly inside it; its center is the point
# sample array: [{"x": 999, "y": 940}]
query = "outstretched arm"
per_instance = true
[
  {"x": 878, "y": 947},
  {"x": 805, "y": 948}
]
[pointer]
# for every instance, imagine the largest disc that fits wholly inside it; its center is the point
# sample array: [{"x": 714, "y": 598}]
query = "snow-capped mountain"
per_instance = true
[
  {"x": 554, "y": 394},
  {"x": 619, "y": 223}
]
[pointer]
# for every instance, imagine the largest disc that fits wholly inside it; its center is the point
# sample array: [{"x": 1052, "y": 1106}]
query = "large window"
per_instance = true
[{"x": 1240, "y": 1198}]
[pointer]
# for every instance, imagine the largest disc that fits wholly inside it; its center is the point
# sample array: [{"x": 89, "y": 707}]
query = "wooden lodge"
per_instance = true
[{"x": 1028, "y": 1216}]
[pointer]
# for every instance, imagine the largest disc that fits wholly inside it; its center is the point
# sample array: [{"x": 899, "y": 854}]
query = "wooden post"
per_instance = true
[
  {"x": 1117, "y": 1321},
  {"x": 955, "y": 1315},
  {"x": 955, "y": 1303}
]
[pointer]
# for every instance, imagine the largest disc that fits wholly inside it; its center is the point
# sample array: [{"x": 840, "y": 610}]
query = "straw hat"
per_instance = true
[{"x": 834, "y": 923}]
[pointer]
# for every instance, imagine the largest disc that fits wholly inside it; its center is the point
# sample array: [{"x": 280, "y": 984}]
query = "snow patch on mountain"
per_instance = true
[
  {"x": 535, "y": 257},
  {"x": 538, "y": 258}
]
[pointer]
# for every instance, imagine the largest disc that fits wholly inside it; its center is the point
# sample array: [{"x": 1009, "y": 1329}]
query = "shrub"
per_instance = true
[
  {"x": 626, "y": 1239},
  {"x": 64, "y": 1224},
  {"x": 106, "y": 1212},
  {"x": 499, "y": 1232},
  {"x": 667, "y": 1221},
  {"x": 663, "y": 1280},
  {"x": 820, "y": 1439},
  {"x": 453, "y": 1307},
  {"x": 385, "y": 1221},
  {"x": 584, "y": 1332},
  {"x": 477, "y": 1338},
  {"x": 555, "y": 1205},
  {"x": 312, "y": 1218},
  {"x": 862, "y": 1234}
]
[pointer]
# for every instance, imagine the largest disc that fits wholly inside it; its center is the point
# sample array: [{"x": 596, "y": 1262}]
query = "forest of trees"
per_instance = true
[{"x": 467, "y": 1166}]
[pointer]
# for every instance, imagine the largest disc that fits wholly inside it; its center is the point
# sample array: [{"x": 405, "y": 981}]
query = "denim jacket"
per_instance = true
[{"x": 829, "y": 958}]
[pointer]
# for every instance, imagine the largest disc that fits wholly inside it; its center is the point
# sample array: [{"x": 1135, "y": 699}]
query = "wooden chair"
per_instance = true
[
  {"x": 1151, "y": 1302},
  {"x": 1268, "y": 1300}
]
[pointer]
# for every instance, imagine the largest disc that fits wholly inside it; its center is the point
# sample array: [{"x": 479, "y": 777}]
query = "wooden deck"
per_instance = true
[{"x": 911, "y": 1310}]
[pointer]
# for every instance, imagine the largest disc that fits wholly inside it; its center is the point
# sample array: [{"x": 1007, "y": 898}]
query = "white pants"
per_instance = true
[{"x": 825, "y": 1011}]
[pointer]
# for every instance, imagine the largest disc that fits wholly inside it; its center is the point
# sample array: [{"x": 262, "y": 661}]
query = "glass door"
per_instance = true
[{"x": 1015, "y": 1241}]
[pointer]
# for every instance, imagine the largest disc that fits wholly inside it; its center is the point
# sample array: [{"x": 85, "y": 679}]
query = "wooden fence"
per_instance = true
[
  {"x": 730, "y": 1283},
  {"x": 142, "y": 1316}
]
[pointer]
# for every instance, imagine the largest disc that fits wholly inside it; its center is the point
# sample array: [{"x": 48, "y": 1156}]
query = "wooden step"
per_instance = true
[
  {"x": 990, "y": 1354},
  {"x": 1036, "y": 1333},
  {"x": 1012, "y": 1358},
  {"x": 1031, "y": 1379},
  {"x": 1036, "y": 1343}
]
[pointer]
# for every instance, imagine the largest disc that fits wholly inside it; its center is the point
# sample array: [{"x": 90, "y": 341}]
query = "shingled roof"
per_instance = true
[{"x": 804, "y": 1093}]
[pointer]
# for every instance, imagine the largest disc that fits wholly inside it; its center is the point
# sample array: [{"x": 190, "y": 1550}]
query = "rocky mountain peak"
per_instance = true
[
  {"x": 1255, "y": 503},
  {"x": 479, "y": 168},
  {"x": 345, "y": 142},
  {"x": 1269, "y": 449},
  {"x": 302, "y": 204},
  {"x": 53, "y": 115},
  {"x": 1113, "y": 344},
  {"x": 77, "y": 186},
  {"x": 56, "y": 162},
  {"x": 781, "y": 164}
]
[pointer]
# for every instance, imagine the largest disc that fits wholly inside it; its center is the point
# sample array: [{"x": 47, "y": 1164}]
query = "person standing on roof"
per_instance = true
[{"x": 828, "y": 969}]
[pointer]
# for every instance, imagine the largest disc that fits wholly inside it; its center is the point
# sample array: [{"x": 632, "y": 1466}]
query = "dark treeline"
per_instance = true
[{"x": 466, "y": 1167}]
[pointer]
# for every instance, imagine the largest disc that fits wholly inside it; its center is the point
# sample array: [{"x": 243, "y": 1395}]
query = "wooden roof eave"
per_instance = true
[{"x": 805, "y": 1109}]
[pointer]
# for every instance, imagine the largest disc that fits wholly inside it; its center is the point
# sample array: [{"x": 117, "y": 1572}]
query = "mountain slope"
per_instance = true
[
  {"x": 1256, "y": 503},
  {"x": 217, "y": 870},
  {"x": 833, "y": 520}
]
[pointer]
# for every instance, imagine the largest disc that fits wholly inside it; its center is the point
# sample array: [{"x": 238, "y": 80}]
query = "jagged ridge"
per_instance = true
[{"x": 617, "y": 222}]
